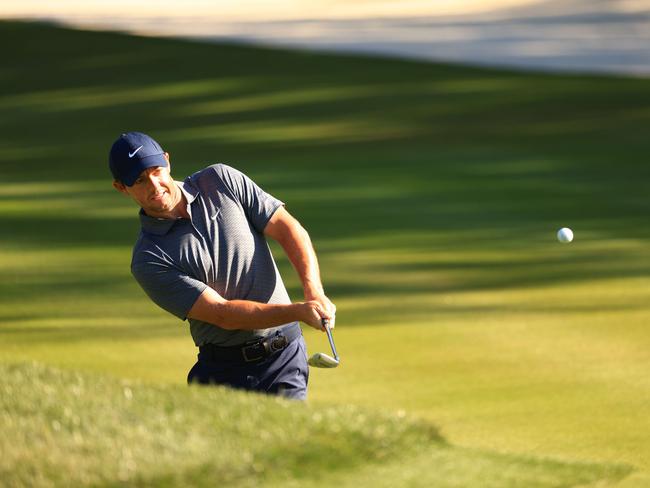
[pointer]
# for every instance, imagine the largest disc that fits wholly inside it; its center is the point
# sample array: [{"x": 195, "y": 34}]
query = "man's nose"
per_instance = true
[{"x": 154, "y": 182}]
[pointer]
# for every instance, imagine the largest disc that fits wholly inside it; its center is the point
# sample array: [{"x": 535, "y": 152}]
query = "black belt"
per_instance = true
[{"x": 254, "y": 351}]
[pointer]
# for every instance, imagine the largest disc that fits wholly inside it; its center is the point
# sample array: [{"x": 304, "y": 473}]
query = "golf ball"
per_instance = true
[{"x": 565, "y": 235}]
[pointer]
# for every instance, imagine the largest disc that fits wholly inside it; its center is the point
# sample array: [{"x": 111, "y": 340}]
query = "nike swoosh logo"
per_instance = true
[
  {"x": 131, "y": 154},
  {"x": 216, "y": 214}
]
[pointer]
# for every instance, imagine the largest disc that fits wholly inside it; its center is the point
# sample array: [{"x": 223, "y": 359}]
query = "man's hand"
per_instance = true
[
  {"x": 326, "y": 306},
  {"x": 313, "y": 314}
]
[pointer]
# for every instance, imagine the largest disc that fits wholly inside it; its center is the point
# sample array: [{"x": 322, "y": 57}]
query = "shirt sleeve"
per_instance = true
[
  {"x": 168, "y": 287},
  {"x": 258, "y": 205}
]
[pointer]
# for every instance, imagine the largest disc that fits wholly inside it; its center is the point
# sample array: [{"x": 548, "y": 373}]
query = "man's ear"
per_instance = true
[
  {"x": 119, "y": 186},
  {"x": 169, "y": 164}
]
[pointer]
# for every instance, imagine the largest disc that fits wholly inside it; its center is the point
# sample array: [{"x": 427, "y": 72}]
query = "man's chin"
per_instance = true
[{"x": 157, "y": 210}]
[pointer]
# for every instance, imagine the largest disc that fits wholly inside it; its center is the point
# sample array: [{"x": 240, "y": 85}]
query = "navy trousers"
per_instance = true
[{"x": 284, "y": 373}]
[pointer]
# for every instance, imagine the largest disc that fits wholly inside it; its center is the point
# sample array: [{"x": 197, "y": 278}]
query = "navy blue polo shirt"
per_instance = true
[{"x": 222, "y": 246}]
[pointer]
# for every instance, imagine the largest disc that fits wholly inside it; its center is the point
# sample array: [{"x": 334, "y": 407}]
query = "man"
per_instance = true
[{"x": 202, "y": 256}]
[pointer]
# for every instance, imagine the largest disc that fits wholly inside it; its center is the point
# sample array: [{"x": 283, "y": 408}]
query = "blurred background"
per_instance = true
[
  {"x": 569, "y": 35},
  {"x": 432, "y": 150}
]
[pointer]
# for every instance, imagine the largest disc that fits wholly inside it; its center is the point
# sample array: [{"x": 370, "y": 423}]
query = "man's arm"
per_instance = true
[
  {"x": 212, "y": 308},
  {"x": 295, "y": 241}
]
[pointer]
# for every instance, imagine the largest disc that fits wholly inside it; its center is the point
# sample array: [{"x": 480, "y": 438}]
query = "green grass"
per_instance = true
[
  {"x": 432, "y": 193},
  {"x": 71, "y": 429}
]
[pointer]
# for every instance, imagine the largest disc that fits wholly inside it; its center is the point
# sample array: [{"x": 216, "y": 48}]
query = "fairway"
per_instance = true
[{"x": 432, "y": 194}]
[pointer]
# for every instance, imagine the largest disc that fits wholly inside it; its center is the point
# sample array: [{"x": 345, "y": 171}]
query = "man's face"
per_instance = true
[{"x": 154, "y": 190}]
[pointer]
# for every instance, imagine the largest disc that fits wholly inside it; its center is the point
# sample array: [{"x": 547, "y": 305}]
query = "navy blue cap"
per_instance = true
[{"x": 131, "y": 154}]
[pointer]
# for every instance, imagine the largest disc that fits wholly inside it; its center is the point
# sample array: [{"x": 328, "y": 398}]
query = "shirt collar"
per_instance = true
[
  {"x": 160, "y": 227},
  {"x": 190, "y": 191}
]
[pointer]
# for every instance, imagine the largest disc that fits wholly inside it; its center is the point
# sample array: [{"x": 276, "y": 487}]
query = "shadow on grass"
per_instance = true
[
  {"x": 359, "y": 148},
  {"x": 72, "y": 232}
]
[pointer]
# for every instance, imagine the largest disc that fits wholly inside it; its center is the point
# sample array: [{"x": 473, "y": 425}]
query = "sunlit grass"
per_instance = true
[
  {"x": 550, "y": 383},
  {"x": 284, "y": 131},
  {"x": 283, "y": 99},
  {"x": 72, "y": 99}
]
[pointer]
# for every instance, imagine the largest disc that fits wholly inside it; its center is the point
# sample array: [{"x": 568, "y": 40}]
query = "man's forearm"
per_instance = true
[
  {"x": 300, "y": 251},
  {"x": 297, "y": 245},
  {"x": 212, "y": 308},
  {"x": 248, "y": 315}
]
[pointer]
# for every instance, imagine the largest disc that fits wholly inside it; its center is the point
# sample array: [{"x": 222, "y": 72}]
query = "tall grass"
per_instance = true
[{"x": 70, "y": 429}]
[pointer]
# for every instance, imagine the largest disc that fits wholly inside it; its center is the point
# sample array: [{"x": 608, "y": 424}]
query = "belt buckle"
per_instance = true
[{"x": 245, "y": 349}]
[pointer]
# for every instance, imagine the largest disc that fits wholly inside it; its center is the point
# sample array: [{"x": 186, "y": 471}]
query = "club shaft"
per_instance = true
[{"x": 331, "y": 339}]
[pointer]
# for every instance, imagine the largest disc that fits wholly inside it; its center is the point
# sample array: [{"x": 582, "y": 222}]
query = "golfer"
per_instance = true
[{"x": 202, "y": 255}]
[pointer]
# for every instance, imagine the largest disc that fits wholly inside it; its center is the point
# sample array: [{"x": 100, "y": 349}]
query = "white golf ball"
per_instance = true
[{"x": 565, "y": 235}]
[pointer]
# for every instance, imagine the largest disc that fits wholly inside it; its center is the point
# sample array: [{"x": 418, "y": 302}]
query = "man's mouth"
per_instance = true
[{"x": 158, "y": 196}]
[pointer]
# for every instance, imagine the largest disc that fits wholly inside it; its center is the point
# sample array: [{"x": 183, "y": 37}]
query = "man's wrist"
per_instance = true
[
  {"x": 298, "y": 311},
  {"x": 312, "y": 292}
]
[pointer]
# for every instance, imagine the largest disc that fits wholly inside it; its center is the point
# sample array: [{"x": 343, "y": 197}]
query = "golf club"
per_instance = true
[{"x": 322, "y": 360}]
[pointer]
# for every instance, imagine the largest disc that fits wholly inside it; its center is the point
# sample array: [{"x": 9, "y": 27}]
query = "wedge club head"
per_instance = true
[{"x": 322, "y": 360}]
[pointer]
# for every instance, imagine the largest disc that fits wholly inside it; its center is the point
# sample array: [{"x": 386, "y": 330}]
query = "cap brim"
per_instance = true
[{"x": 141, "y": 164}]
